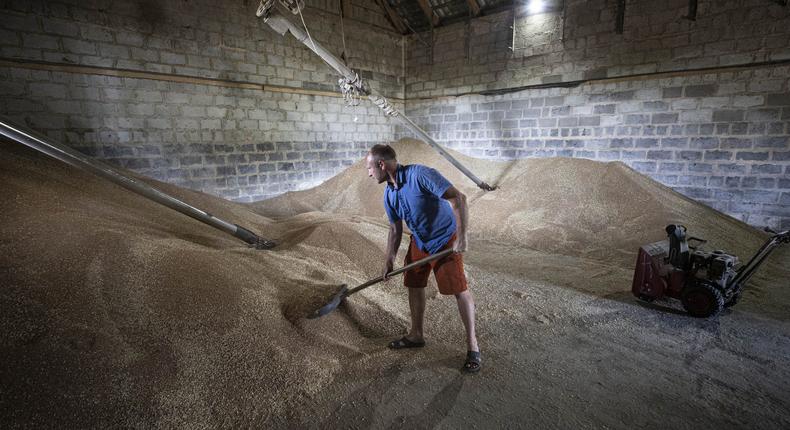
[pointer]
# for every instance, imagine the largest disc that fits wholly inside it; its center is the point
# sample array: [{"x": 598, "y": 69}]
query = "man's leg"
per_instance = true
[
  {"x": 466, "y": 306},
  {"x": 415, "y": 280},
  {"x": 417, "y": 307}
]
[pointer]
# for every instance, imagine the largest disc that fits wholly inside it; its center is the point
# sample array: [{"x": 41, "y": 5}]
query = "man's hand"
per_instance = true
[
  {"x": 460, "y": 244},
  {"x": 393, "y": 242},
  {"x": 458, "y": 200},
  {"x": 387, "y": 269}
]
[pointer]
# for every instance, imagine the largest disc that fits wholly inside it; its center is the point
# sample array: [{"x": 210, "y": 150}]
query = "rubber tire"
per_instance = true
[
  {"x": 733, "y": 300},
  {"x": 646, "y": 298},
  {"x": 702, "y": 300}
]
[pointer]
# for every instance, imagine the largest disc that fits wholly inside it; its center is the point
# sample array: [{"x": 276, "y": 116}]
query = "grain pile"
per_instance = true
[
  {"x": 114, "y": 306},
  {"x": 115, "y": 311},
  {"x": 561, "y": 205}
]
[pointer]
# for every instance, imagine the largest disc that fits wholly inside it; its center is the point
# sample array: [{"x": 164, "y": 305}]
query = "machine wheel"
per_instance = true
[
  {"x": 701, "y": 300},
  {"x": 646, "y": 298},
  {"x": 733, "y": 300}
]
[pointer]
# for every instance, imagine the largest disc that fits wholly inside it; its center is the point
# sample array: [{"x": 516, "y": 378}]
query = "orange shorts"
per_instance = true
[{"x": 449, "y": 271}]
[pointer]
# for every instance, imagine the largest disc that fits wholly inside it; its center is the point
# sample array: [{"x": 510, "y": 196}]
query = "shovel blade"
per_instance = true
[{"x": 332, "y": 305}]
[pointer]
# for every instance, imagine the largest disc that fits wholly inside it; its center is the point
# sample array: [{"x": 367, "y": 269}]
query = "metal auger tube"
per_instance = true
[
  {"x": 390, "y": 110},
  {"x": 282, "y": 25},
  {"x": 75, "y": 158}
]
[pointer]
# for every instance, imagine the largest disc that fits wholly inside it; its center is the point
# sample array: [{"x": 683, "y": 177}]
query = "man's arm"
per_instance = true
[
  {"x": 458, "y": 200},
  {"x": 393, "y": 243}
]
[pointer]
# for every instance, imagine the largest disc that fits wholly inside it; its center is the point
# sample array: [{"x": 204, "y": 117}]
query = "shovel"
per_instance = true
[{"x": 345, "y": 292}]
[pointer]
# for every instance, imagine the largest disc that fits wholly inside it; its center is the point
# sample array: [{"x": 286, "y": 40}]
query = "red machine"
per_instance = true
[{"x": 705, "y": 282}]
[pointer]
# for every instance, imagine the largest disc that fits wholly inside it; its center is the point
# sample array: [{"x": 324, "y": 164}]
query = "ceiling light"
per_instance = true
[{"x": 535, "y": 6}]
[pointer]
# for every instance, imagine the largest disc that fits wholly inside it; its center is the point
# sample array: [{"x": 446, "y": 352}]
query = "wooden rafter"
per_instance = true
[
  {"x": 345, "y": 8},
  {"x": 474, "y": 7},
  {"x": 692, "y": 15},
  {"x": 393, "y": 16},
  {"x": 620, "y": 18},
  {"x": 433, "y": 18}
]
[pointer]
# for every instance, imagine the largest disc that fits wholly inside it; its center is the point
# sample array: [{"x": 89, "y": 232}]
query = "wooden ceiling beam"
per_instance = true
[
  {"x": 345, "y": 8},
  {"x": 473, "y": 7},
  {"x": 433, "y": 18},
  {"x": 393, "y": 16}
]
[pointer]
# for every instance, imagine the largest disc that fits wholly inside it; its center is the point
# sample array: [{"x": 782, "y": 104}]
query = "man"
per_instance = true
[{"x": 436, "y": 213}]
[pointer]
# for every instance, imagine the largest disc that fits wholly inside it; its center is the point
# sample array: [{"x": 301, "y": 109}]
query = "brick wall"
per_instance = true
[
  {"x": 720, "y": 137},
  {"x": 243, "y": 144},
  {"x": 581, "y": 43}
]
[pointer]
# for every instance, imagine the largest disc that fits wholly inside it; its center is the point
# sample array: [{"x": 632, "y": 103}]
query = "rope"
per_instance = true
[
  {"x": 343, "y": 32},
  {"x": 305, "y": 28}
]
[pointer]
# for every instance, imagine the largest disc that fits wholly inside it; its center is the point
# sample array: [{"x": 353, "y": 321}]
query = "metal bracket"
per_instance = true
[
  {"x": 384, "y": 105},
  {"x": 692, "y": 15},
  {"x": 265, "y": 7},
  {"x": 620, "y": 23}
]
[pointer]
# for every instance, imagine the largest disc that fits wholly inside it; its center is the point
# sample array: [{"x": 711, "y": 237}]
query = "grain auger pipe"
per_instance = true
[
  {"x": 75, "y": 158},
  {"x": 351, "y": 84}
]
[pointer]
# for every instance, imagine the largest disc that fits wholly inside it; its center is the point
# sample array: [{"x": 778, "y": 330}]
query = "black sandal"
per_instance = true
[
  {"x": 473, "y": 361},
  {"x": 405, "y": 343}
]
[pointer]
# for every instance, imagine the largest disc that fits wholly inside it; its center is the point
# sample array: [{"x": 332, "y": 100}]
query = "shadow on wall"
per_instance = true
[{"x": 150, "y": 12}]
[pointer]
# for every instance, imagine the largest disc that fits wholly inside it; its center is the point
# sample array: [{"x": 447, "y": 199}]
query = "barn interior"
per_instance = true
[{"x": 185, "y": 187}]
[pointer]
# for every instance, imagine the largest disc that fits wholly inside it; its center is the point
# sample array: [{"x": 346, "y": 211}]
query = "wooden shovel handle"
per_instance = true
[{"x": 409, "y": 266}]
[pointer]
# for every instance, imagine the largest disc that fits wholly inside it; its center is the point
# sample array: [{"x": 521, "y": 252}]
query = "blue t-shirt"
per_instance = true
[{"x": 418, "y": 201}]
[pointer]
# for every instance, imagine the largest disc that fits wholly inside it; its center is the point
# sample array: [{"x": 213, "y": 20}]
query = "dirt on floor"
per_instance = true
[{"x": 116, "y": 311}]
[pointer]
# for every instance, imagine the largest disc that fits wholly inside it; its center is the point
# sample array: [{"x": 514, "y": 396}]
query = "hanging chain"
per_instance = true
[{"x": 352, "y": 89}]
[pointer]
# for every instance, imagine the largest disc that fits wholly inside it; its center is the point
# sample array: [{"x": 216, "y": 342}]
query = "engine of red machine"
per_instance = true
[{"x": 704, "y": 281}]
